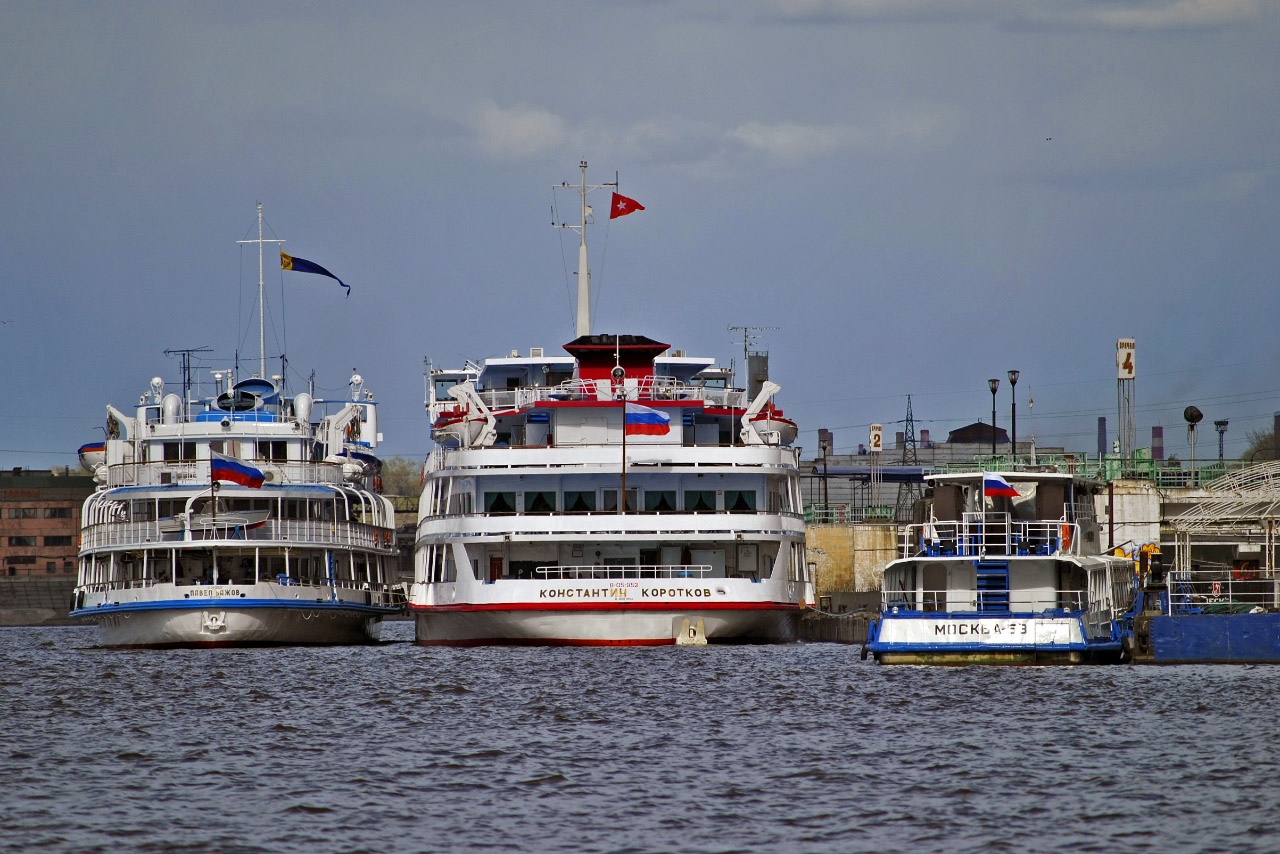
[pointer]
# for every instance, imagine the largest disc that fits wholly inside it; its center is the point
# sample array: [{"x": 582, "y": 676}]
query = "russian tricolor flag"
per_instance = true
[
  {"x": 222, "y": 467},
  {"x": 643, "y": 421},
  {"x": 993, "y": 485}
]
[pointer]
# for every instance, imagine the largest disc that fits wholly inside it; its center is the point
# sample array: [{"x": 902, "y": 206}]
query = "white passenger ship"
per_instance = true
[
  {"x": 1003, "y": 568},
  {"x": 621, "y": 494},
  {"x": 234, "y": 519}
]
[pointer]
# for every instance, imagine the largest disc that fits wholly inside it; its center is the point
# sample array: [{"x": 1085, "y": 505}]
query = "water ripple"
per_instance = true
[{"x": 396, "y": 747}]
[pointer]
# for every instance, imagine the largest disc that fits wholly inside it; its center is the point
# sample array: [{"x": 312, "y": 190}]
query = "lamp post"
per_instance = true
[
  {"x": 1013, "y": 392},
  {"x": 1221, "y": 427},
  {"x": 993, "y": 384}
]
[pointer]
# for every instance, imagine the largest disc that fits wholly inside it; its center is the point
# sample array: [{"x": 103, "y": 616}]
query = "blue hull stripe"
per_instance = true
[{"x": 235, "y": 604}]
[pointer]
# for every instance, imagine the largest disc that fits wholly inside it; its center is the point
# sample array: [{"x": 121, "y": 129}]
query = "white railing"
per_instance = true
[
  {"x": 1221, "y": 590},
  {"x": 670, "y": 570},
  {"x": 990, "y": 535},
  {"x": 649, "y": 388},
  {"x": 291, "y": 532},
  {"x": 979, "y": 602},
  {"x": 192, "y": 472},
  {"x": 381, "y": 595}
]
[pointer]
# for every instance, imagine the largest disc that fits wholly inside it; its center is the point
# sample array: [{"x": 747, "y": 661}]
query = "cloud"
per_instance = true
[
  {"x": 1107, "y": 14},
  {"x": 1153, "y": 15},
  {"x": 791, "y": 141},
  {"x": 884, "y": 10},
  {"x": 795, "y": 142},
  {"x": 511, "y": 133}
]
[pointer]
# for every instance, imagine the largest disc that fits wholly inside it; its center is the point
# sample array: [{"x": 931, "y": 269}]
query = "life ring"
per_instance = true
[
  {"x": 1066, "y": 538},
  {"x": 1245, "y": 570}
]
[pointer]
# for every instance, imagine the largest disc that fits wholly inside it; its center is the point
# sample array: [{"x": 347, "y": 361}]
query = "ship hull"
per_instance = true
[
  {"x": 623, "y": 626},
  {"x": 1015, "y": 640},
  {"x": 258, "y": 617}
]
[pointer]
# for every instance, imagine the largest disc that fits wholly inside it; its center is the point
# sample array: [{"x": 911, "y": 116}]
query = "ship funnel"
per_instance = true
[
  {"x": 171, "y": 409},
  {"x": 302, "y": 404}
]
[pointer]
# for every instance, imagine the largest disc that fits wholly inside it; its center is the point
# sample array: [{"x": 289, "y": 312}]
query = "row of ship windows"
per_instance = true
[
  {"x": 48, "y": 541},
  {"x": 606, "y": 501},
  {"x": 40, "y": 513},
  {"x": 272, "y": 450}
]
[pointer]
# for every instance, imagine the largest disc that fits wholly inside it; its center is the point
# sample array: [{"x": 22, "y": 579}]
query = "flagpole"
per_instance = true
[{"x": 622, "y": 502}]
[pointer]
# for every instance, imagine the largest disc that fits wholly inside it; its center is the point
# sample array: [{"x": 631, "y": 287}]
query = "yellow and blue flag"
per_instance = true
[{"x": 302, "y": 265}]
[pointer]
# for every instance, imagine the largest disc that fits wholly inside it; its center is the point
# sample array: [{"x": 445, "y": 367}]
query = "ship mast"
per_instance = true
[
  {"x": 262, "y": 291},
  {"x": 584, "y": 275}
]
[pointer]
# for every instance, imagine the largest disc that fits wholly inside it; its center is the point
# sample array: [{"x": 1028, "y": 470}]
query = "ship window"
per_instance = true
[
  {"x": 275, "y": 450},
  {"x": 499, "y": 502},
  {"x": 539, "y": 502},
  {"x": 579, "y": 502},
  {"x": 179, "y": 451},
  {"x": 740, "y": 500},
  {"x": 609, "y": 500},
  {"x": 660, "y": 500},
  {"x": 700, "y": 501}
]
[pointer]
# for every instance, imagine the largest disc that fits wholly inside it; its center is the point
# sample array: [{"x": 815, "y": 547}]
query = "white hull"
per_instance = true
[
  {"x": 166, "y": 615},
  {"x": 217, "y": 626},
  {"x": 605, "y": 628}
]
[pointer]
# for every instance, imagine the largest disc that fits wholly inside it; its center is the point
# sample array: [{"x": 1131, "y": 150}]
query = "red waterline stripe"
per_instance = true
[
  {"x": 549, "y": 642},
  {"x": 612, "y": 606}
]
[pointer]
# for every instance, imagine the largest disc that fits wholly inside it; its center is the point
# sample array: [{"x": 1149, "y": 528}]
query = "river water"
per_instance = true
[{"x": 786, "y": 748}]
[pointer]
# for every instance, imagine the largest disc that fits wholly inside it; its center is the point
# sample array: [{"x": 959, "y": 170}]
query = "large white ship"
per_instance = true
[
  {"x": 619, "y": 494},
  {"x": 237, "y": 516}
]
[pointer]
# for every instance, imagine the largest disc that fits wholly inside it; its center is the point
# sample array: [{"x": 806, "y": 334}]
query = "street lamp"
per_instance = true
[
  {"x": 1013, "y": 391},
  {"x": 993, "y": 384},
  {"x": 1221, "y": 427}
]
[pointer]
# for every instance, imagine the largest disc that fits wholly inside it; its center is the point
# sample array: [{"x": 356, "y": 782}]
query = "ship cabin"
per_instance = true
[
  {"x": 171, "y": 440},
  {"x": 541, "y": 400}
]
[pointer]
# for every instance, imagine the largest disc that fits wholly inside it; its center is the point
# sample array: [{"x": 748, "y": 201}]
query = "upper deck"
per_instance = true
[
  {"x": 984, "y": 515},
  {"x": 579, "y": 400},
  {"x": 170, "y": 440}
]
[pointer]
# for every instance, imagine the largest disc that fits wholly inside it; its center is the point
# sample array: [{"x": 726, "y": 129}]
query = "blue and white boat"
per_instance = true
[
  {"x": 1002, "y": 568},
  {"x": 237, "y": 515}
]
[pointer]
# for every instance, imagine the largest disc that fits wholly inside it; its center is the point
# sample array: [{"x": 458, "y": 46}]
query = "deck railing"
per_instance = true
[
  {"x": 983, "y": 535},
  {"x": 286, "y": 532},
  {"x": 841, "y": 514},
  {"x": 984, "y": 602},
  {"x": 1221, "y": 591},
  {"x": 607, "y": 572},
  {"x": 381, "y": 595},
  {"x": 164, "y": 473},
  {"x": 649, "y": 388}
]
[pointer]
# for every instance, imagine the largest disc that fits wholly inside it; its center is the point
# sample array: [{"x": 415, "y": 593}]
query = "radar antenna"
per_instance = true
[
  {"x": 185, "y": 356},
  {"x": 749, "y": 334}
]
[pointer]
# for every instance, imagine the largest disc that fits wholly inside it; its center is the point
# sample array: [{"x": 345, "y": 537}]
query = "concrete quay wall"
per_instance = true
[
  {"x": 847, "y": 557},
  {"x": 36, "y": 601}
]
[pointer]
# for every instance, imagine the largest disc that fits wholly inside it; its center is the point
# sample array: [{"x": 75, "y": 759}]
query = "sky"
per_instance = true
[{"x": 912, "y": 195}]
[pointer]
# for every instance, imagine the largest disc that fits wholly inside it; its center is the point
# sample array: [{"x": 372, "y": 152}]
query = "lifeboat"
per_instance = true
[{"x": 770, "y": 420}]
